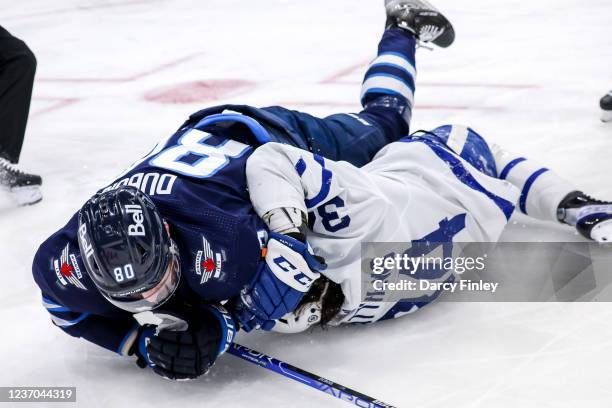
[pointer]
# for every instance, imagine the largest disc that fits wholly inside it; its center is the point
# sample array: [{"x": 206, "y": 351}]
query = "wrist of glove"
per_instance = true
[
  {"x": 138, "y": 348},
  {"x": 281, "y": 282},
  {"x": 189, "y": 350}
]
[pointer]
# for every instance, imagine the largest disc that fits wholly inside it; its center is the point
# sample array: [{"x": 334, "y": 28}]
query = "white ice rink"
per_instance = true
[{"x": 114, "y": 77}]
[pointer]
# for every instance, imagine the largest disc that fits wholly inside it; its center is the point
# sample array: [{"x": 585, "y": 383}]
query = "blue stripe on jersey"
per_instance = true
[
  {"x": 63, "y": 323},
  {"x": 47, "y": 301},
  {"x": 260, "y": 133},
  {"x": 527, "y": 187},
  {"x": 510, "y": 166},
  {"x": 391, "y": 65},
  {"x": 300, "y": 167},
  {"x": 390, "y": 72},
  {"x": 442, "y": 132},
  {"x": 59, "y": 309},
  {"x": 388, "y": 82},
  {"x": 477, "y": 152},
  {"x": 326, "y": 177},
  {"x": 61, "y": 315},
  {"x": 464, "y": 175},
  {"x": 51, "y": 306}
]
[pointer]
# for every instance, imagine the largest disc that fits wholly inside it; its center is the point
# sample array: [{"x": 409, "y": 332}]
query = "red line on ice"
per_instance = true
[
  {"x": 334, "y": 78},
  {"x": 59, "y": 103},
  {"x": 199, "y": 91},
  {"x": 130, "y": 78}
]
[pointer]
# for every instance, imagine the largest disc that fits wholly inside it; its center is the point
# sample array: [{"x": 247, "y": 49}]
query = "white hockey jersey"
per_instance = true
[{"x": 408, "y": 192}]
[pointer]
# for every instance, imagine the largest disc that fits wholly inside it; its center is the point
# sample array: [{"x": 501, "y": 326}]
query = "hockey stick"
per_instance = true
[{"x": 312, "y": 380}]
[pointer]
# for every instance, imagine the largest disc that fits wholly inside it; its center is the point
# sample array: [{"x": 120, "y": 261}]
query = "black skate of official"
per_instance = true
[{"x": 24, "y": 187}]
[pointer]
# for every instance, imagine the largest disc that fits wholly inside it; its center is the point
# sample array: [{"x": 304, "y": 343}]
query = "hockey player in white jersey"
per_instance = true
[
  {"x": 445, "y": 185},
  {"x": 439, "y": 186}
]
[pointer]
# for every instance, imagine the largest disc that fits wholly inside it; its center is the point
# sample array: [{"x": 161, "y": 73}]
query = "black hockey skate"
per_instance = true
[
  {"x": 606, "y": 107},
  {"x": 592, "y": 218},
  {"x": 422, "y": 19},
  {"x": 24, "y": 187}
]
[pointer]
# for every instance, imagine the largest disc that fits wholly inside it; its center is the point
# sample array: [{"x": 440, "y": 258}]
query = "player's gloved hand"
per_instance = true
[
  {"x": 282, "y": 281},
  {"x": 139, "y": 348},
  {"x": 185, "y": 352}
]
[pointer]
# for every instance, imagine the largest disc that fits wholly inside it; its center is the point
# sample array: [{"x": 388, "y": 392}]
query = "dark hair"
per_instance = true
[{"x": 331, "y": 297}]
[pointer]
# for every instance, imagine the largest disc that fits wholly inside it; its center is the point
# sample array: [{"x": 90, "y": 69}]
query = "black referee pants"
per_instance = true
[{"x": 17, "y": 68}]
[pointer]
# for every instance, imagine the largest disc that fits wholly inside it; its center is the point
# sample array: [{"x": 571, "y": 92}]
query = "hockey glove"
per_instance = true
[
  {"x": 139, "y": 349},
  {"x": 185, "y": 352},
  {"x": 289, "y": 270}
]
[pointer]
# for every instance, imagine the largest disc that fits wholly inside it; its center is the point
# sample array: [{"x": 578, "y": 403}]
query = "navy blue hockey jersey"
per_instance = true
[{"x": 197, "y": 181}]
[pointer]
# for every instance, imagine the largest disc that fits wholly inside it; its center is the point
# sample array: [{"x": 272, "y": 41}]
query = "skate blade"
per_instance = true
[
  {"x": 26, "y": 195},
  {"x": 606, "y": 116},
  {"x": 602, "y": 232}
]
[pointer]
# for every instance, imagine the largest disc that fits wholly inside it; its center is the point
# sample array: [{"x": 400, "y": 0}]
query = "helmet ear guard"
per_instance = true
[{"x": 126, "y": 248}]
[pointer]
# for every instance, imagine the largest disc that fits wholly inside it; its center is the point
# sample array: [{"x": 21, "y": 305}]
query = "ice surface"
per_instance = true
[{"x": 528, "y": 75}]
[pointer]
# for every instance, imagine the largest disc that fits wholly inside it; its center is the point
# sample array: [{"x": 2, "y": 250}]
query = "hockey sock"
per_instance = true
[
  {"x": 393, "y": 72},
  {"x": 542, "y": 190}
]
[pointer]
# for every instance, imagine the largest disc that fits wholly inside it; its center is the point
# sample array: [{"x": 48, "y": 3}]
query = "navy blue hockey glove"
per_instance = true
[
  {"x": 281, "y": 282},
  {"x": 184, "y": 349}
]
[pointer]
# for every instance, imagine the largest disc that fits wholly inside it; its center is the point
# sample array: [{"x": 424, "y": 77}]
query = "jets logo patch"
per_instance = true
[
  {"x": 208, "y": 263},
  {"x": 67, "y": 269}
]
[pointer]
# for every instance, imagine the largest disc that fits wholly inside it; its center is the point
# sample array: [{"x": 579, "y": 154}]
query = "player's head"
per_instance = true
[{"x": 127, "y": 250}]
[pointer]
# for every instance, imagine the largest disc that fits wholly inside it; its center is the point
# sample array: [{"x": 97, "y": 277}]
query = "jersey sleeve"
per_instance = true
[
  {"x": 281, "y": 176},
  {"x": 72, "y": 300}
]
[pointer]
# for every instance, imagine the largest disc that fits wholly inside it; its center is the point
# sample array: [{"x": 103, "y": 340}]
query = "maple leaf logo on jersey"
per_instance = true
[
  {"x": 208, "y": 263},
  {"x": 67, "y": 269}
]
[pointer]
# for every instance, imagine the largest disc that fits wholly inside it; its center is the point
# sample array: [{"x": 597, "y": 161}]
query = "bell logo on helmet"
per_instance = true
[
  {"x": 136, "y": 229},
  {"x": 87, "y": 248}
]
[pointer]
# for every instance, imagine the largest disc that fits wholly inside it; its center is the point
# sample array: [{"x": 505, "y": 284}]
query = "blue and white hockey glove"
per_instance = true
[
  {"x": 184, "y": 348},
  {"x": 281, "y": 282}
]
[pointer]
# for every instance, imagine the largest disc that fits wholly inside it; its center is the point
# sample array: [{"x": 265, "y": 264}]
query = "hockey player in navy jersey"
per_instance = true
[{"x": 246, "y": 215}]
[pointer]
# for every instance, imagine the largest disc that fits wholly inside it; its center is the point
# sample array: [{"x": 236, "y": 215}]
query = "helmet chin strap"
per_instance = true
[{"x": 167, "y": 227}]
